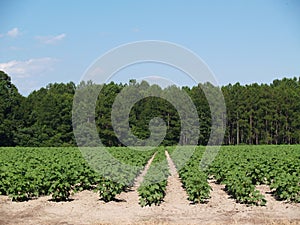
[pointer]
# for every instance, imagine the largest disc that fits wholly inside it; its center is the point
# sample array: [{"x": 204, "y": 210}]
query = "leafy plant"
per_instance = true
[{"x": 153, "y": 188}]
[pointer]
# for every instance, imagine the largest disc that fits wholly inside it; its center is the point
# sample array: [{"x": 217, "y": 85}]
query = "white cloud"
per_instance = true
[
  {"x": 13, "y": 32},
  {"x": 51, "y": 39},
  {"x": 28, "y": 68},
  {"x": 26, "y": 75}
]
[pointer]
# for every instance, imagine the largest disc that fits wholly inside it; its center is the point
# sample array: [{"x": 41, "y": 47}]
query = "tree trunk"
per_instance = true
[
  {"x": 237, "y": 130},
  {"x": 250, "y": 132}
]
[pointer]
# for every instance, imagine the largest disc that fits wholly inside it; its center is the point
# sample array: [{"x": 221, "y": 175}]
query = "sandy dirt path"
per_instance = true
[
  {"x": 176, "y": 196},
  {"x": 86, "y": 208},
  {"x": 132, "y": 195}
]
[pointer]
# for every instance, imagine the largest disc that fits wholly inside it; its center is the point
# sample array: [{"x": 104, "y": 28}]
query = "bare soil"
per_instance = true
[{"x": 86, "y": 208}]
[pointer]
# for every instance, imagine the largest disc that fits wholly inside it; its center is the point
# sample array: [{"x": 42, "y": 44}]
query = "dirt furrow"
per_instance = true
[
  {"x": 132, "y": 195},
  {"x": 176, "y": 196},
  {"x": 86, "y": 208}
]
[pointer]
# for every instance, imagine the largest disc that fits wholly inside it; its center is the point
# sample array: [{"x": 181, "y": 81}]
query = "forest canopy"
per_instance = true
[{"x": 256, "y": 113}]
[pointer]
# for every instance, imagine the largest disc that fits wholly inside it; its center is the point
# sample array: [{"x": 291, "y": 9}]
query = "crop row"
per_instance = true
[
  {"x": 31, "y": 172},
  {"x": 242, "y": 168},
  {"x": 193, "y": 179},
  {"x": 26, "y": 173},
  {"x": 153, "y": 188}
]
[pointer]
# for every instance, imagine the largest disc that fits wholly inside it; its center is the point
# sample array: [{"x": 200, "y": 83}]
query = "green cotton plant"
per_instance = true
[
  {"x": 27, "y": 173},
  {"x": 241, "y": 168},
  {"x": 287, "y": 187},
  {"x": 114, "y": 176},
  {"x": 61, "y": 190},
  {"x": 152, "y": 193},
  {"x": 196, "y": 186},
  {"x": 153, "y": 188},
  {"x": 109, "y": 189},
  {"x": 241, "y": 188},
  {"x": 194, "y": 180}
]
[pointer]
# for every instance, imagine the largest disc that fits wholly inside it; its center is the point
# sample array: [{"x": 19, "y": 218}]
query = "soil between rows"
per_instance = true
[{"x": 86, "y": 208}]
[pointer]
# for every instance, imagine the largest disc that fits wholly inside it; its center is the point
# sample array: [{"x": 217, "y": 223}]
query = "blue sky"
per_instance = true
[{"x": 246, "y": 41}]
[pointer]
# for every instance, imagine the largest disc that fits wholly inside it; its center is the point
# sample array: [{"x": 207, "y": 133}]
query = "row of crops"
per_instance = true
[
  {"x": 153, "y": 188},
  {"x": 27, "y": 173},
  {"x": 193, "y": 179},
  {"x": 241, "y": 169}
]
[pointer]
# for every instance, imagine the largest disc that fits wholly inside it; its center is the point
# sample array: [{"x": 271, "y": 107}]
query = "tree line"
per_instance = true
[{"x": 255, "y": 113}]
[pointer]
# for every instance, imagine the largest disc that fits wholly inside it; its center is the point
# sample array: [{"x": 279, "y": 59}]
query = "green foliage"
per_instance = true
[
  {"x": 119, "y": 174},
  {"x": 256, "y": 114},
  {"x": 287, "y": 187},
  {"x": 152, "y": 193},
  {"x": 195, "y": 184},
  {"x": 109, "y": 189},
  {"x": 47, "y": 117},
  {"x": 32, "y": 172},
  {"x": 153, "y": 188},
  {"x": 242, "y": 168},
  {"x": 10, "y": 113},
  {"x": 241, "y": 188},
  {"x": 263, "y": 114},
  {"x": 27, "y": 173},
  {"x": 193, "y": 179}
]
